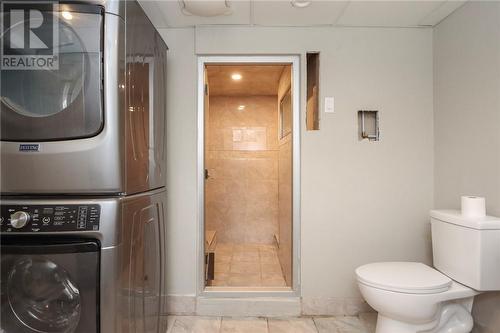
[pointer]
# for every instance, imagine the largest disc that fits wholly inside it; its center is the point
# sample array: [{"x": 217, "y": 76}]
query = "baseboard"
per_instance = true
[
  {"x": 265, "y": 306},
  {"x": 181, "y": 305},
  {"x": 249, "y": 307},
  {"x": 333, "y": 306}
]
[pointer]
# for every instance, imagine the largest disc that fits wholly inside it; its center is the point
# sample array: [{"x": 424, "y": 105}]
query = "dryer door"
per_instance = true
[
  {"x": 64, "y": 103},
  {"x": 49, "y": 287}
]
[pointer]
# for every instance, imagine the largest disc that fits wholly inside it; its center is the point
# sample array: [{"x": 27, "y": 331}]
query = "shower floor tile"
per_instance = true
[{"x": 247, "y": 265}]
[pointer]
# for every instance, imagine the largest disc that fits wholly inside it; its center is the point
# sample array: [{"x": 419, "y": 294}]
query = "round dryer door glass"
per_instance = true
[
  {"x": 56, "y": 93},
  {"x": 45, "y": 92},
  {"x": 43, "y": 296}
]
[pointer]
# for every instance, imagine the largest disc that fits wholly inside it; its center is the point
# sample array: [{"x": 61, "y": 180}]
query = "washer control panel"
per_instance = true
[{"x": 49, "y": 218}]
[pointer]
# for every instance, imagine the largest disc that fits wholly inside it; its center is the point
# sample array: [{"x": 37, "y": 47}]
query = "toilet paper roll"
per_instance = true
[{"x": 473, "y": 207}]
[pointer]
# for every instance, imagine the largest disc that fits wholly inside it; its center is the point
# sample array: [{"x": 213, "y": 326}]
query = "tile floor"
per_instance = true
[
  {"x": 365, "y": 323},
  {"x": 247, "y": 265}
]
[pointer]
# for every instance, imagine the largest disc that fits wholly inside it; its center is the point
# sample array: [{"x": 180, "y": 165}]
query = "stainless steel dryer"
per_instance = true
[
  {"x": 97, "y": 124},
  {"x": 83, "y": 265}
]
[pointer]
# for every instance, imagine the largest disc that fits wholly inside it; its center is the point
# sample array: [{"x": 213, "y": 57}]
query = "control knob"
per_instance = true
[{"x": 19, "y": 219}]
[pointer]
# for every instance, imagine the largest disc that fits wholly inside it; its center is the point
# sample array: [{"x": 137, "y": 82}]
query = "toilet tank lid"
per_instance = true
[{"x": 455, "y": 217}]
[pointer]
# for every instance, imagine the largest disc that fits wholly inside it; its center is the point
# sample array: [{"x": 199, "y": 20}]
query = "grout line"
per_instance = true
[
  {"x": 220, "y": 325},
  {"x": 260, "y": 269},
  {"x": 315, "y": 325}
]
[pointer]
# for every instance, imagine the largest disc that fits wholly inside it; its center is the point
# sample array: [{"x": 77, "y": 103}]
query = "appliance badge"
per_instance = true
[{"x": 32, "y": 147}]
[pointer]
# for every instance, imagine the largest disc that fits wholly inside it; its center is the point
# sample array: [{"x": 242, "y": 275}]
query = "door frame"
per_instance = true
[{"x": 293, "y": 60}]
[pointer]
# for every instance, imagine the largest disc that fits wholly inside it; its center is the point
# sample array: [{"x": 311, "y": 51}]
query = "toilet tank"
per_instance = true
[{"x": 467, "y": 249}]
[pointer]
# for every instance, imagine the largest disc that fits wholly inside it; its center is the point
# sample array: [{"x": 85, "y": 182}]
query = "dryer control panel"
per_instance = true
[{"x": 49, "y": 218}]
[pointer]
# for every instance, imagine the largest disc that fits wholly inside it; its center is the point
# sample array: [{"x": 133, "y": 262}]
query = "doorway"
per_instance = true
[{"x": 249, "y": 153}]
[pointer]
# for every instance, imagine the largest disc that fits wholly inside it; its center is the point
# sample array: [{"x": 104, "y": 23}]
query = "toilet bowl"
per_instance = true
[{"x": 412, "y": 297}]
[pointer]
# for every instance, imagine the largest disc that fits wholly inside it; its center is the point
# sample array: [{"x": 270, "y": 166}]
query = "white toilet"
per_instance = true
[{"x": 412, "y": 297}]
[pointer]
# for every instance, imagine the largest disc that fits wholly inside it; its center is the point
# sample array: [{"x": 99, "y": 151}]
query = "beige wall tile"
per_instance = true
[{"x": 241, "y": 195}]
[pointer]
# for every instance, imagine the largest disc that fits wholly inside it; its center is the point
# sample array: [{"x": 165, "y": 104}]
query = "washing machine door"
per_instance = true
[
  {"x": 55, "y": 104},
  {"x": 50, "y": 288}
]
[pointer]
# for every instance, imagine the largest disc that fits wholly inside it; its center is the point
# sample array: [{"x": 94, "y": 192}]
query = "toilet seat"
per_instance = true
[{"x": 403, "y": 277}]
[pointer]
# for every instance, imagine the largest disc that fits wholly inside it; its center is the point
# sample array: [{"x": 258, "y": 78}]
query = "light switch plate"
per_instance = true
[{"x": 329, "y": 105}]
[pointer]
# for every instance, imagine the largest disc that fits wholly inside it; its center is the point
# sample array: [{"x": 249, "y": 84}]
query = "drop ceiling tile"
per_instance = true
[
  {"x": 387, "y": 13},
  {"x": 173, "y": 16},
  {"x": 442, "y": 12},
  {"x": 153, "y": 12},
  {"x": 282, "y": 13}
]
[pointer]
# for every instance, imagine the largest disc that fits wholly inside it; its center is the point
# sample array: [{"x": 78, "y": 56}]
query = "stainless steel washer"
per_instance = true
[
  {"x": 83, "y": 265},
  {"x": 50, "y": 285}
]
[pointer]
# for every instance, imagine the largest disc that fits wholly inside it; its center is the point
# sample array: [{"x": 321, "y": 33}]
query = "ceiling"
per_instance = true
[
  {"x": 255, "y": 80},
  {"x": 372, "y": 13}
]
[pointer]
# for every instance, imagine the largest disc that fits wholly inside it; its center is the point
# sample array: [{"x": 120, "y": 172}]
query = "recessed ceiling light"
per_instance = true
[
  {"x": 67, "y": 15},
  {"x": 236, "y": 76},
  {"x": 241, "y": 107}
]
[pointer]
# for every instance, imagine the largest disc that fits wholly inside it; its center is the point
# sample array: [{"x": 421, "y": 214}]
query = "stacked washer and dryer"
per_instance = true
[{"x": 83, "y": 178}]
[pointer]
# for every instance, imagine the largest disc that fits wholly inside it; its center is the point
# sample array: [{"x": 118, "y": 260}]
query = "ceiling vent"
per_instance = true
[
  {"x": 205, "y": 8},
  {"x": 300, "y": 3}
]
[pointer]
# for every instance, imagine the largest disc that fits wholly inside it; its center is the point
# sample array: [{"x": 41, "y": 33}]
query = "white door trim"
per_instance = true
[{"x": 294, "y": 60}]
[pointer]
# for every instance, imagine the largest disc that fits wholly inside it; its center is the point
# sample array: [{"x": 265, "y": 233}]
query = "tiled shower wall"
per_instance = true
[
  {"x": 285, "y": 189},
  {"x": 242, "y": 161}
]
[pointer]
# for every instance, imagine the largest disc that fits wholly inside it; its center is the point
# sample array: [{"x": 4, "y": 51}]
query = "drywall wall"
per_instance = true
[
  {"x": 370, "y": 200},
  {"x": 467, "y": 120},
  {"x": 181, "y": 215}
]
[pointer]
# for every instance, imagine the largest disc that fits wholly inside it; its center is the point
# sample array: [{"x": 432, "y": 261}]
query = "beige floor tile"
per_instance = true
[
  {"x": 369, "y": 319},
  {"x": 246, "y": 257},
  {"x": 224, "y": 247},
  {"x": 245, "y": 268},
  {"x": 244, "y": 280},
  {"x": 345, "y": 324},
  {"x": 223, "y": 275},
  {"x": 170, "y": 323},
  {"x": 292, "y": 325},
  {"x": 269, "y": 259},
  {"x": 251, "y": 265},
  {"x": 267, "y": 247},
  {"x": 273, "y": 282},
  {"x": 195, "y": 324},
  {"x": 271, "y": 268},
  {"x": 222, "y": 267},
  {"x": 223, "y": 257},
  {"x": 241, "y": 248},
  {"x": 268, "y": 252},
  {"x": 326, "y": 325},
  {"x": 243, "y": 325}
]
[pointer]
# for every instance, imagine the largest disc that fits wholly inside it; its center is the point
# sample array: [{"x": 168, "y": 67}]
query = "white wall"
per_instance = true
[
  {"x": 182, "y": 206},
  {"x": 467, "y": 120},
  {"x": 361, "y": 202}
]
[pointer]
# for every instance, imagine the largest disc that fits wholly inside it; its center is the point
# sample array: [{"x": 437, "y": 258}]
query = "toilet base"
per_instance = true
[
  {"x": 388, "y": 325},
  {"x": 455, "y": 317}
]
